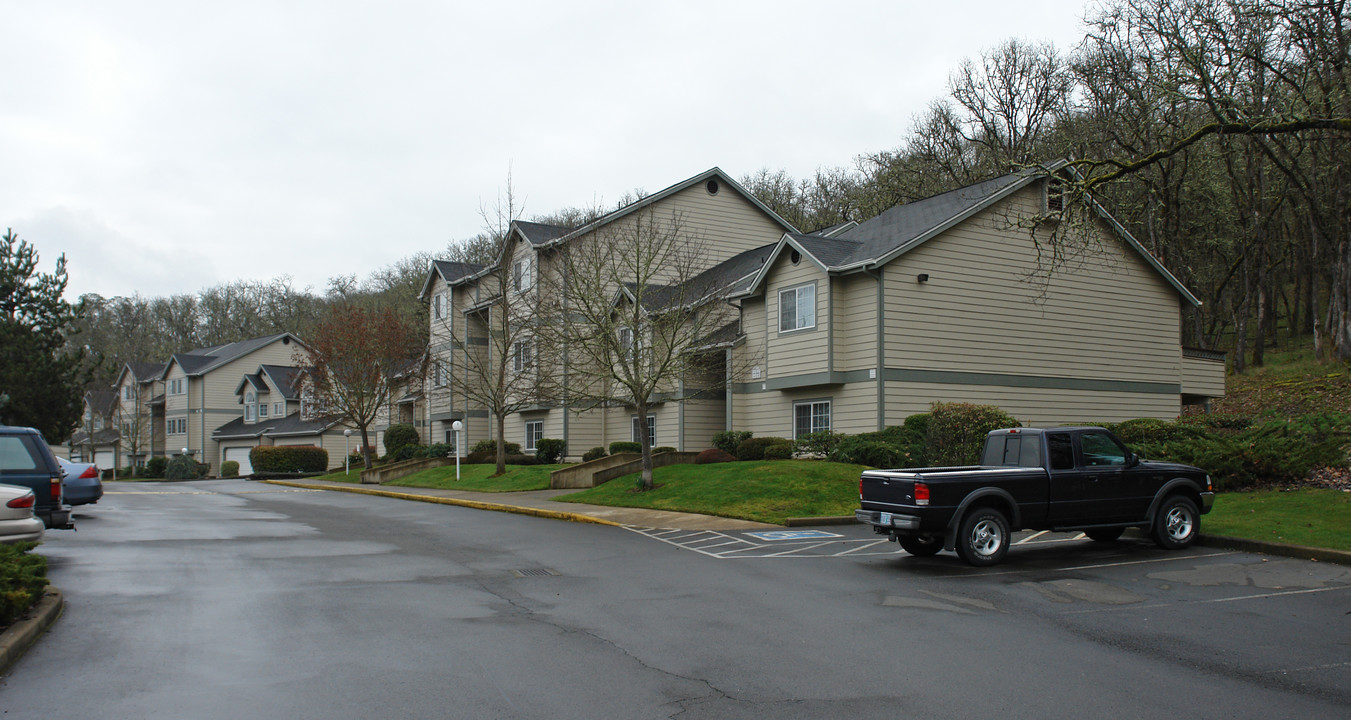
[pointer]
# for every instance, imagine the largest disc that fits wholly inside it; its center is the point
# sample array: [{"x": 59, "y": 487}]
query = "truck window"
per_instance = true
[
  {"x": 15, "y": 455},
  {"x": 1061, "y": 450},
  {"x": 1012, "y": 451},
  {"x": 1101, "y": 450}
]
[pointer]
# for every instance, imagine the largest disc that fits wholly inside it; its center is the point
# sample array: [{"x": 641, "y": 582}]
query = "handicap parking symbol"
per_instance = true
[{"x": 771, "y": 535}]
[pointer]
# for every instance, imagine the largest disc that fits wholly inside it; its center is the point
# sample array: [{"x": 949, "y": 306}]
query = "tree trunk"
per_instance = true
[
  {"x": 645, "y": 441},
  {"x": 366, "y": 448},
  {"x": 501, "y": 444}
]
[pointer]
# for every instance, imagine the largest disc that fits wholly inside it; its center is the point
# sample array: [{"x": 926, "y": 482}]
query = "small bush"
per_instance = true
[
  {"x": 479, "y": 457},
  {"x": 182, "y": 467},
  {"x": 288, "y": 459},
  {"x": 550, "y": 450},
  {"x": 522, "y": 460},
  {"x": 399, "y": 435},
  {"x": 594, "y": 453},
  {"x": 23, "y": 578},
  {"x": 625, "y": 447},
  {"x": 663, "y": 449},
  {"x": 957, "y": 431},
  {"x": 713, "y": 455},
  {"x": 490, "y": 446},
  {"x": 407, "y": 452},
  {"x": 779, "y": 451},
  {"x": 754, "y": 448},
  {"x": 820, "y": 443},
  {"x": 862, "y": 450},
  {"x": 229, "y": 468},
  {"x": 729, "y": 440},
  {"x": 441, "y": 450},
  {"x": 154, "y": 467}
]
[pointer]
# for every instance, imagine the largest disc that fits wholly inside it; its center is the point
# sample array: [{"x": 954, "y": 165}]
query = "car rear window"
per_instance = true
[
  {"x": 1013, "y": 451},
  {"x": 16, "y": 455}
]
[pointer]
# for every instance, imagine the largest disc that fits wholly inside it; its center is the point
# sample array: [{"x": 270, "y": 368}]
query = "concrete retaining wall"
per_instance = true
[
  {"x": 387, "y": 473},
  {"x": 594, "y": 473}
]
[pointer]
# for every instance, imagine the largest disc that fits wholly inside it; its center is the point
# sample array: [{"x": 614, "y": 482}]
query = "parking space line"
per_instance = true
[
  {"x": 861, "y": 547},
  {"x": 1031, "y": 537}
]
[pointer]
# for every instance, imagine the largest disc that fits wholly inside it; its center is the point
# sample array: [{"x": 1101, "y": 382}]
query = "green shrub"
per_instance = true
[
  {"x": 490, "y": 446},
  {"x": 713, "y": 455},
  {"x": 821, "y": 442},
  {"x": 154, "y": 467},
  {"x": 399, "y": 435},
  {"x": 729, "y": 440},
  {"x": 625, "y": 447},
  {"x": 870, "y": 451},
  {"x": 957, "y": 431},
  {"x": 479, "y": 457},
  {"x": 182, "y": 467},
  {"x": 288, "y": 459},
  {"x": 663, "y": 449},
  {"x": 754, "y": 448},
  {"x": 550, "y": 450},
  {"x": 779, "y": 451},
  {"x": 23, "y": 578},
  {"x": 916, "y": 425},
  {"x": 229, "y": 468},
  {"x": 522, "y": 460},
  {"x": 441, "y": 450},
  {"x": 594, "y": 453},
  {"x": 410, "y": 451}
]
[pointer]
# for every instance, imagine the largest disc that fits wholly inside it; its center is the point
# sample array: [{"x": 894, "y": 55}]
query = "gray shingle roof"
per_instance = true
[
  {"x": 288, "y": 426},
  {"x": 540, "y": 233},
  {"x": 285, "y": 377},
  {"x": 451, "y": 270},
  {"x": 102, "y": 402},
  {"x": 202, "y": 360}
]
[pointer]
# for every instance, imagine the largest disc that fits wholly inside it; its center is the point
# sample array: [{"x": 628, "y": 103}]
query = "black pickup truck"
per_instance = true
[{"x": 1061, "y": 479}]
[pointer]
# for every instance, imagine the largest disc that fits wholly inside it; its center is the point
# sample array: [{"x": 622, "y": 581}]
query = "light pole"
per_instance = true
[
  {"x": 347, "y": 454},
  {"x": 457, "y": 426}
]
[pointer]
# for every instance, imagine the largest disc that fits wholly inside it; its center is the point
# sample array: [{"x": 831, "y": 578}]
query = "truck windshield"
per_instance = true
[{"x": 1012, "y": 451}]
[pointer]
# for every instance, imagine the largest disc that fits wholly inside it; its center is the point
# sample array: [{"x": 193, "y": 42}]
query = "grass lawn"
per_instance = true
[
  {"x": 767, "y": 491},
  {"x": 472, "y": 477},
  {"x": 1316, "y": 518}
]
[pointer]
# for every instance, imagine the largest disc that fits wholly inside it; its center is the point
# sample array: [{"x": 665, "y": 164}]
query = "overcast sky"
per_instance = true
[{"x": 167, "y": 146}]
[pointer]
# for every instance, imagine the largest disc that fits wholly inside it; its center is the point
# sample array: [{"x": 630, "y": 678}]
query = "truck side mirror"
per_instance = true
[{"x": 1132, "y": 459}]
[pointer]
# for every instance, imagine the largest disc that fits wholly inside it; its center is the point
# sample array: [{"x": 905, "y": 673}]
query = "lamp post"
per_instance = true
[
  {"x": 347, "y": 454},
  {"x": 457, "y": 426}
]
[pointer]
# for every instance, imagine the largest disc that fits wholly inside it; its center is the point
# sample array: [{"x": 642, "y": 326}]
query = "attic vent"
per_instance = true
[
  {"x": 1055, "y": 196},
  {"x": 796, "y": 257},
  {"x": 286, "y": 340},
  {"x": 712, "y": 187}
]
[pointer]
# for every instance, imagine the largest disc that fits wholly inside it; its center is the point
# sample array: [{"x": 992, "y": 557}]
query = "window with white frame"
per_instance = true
[
  {"x": 797, "y": 308},
  {"x": 279, "y": 409},
  {"x": 128, "y": 392},
  {"x": 439, "y": 306},
  {"x": 248, "y": 413},
  {"x": 534, "y": 430},
  {"x": 177, "y": 386},
  {"x": 176, "y": 426},
  {"x": 438, "y": 374},
  {"x": 520, "y": 275},
  {"x": 810, "y": 417},
  {"x": 262, "y": 410},
  {"x": 626, "y": 342},
  {"x": 651, "y": 430},
  {"x": 522, "y": 355}
]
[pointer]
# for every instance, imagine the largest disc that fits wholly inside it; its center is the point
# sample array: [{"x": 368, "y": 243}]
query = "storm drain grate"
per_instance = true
[{"x": 535, "y": 572}]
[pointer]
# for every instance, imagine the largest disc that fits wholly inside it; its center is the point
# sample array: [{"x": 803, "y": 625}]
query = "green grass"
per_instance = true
[
  {"x": 766, "y": 491},
  {"x": 1316, "y": 518},
  {"x": 472, "y": 477},
  {"x": 1290, "y": 382}
]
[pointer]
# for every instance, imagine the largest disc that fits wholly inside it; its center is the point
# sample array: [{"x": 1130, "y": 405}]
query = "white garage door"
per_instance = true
[
  {"x": 105, "y": 459},
  {"x": 241, "y": 456}
]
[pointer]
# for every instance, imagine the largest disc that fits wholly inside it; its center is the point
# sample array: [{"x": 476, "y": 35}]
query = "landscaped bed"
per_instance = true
[{"x": 477, "y": 477}]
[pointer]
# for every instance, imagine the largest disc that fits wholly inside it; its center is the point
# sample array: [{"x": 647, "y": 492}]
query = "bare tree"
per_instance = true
[{"x": 631, "y": 303}]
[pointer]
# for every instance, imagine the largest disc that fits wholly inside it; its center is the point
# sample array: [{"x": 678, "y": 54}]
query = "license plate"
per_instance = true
[{"x": 886, "y": 518}]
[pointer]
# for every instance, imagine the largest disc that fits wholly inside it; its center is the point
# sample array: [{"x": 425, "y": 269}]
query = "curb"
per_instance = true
[
  {"x": 828, "y": 520},
  {"x": 476, "y": 504},
  {"x": 1302, "y": 552},
  {"x": 20, "y": 636}
]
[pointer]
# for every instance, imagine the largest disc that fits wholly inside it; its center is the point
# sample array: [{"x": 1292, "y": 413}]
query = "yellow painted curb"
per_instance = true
[{"x": 476, "y": 504}]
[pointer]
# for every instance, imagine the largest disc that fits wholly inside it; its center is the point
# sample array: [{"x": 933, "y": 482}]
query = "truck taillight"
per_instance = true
[
  {"x": 56, "y": 489},
  {"x": 921, "y": 493},
  {"x": 26, "y": 501},
  {"x": 860, "y": 488}
]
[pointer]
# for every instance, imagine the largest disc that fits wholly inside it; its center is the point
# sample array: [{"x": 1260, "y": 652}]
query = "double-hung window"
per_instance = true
[
  {"x": 520, "y": 275},
  {"x": 439, "y": 306},
  {"x": 278, "y": 409},
  {"x": 534, "y": 430},
  {"x": 651, "y": 430},
  {"x": 522, "y": 355},
  {"x": 810, "y": 417},
  {"x": 262, "y": 410},
  {"x": 797, "y": 308}
]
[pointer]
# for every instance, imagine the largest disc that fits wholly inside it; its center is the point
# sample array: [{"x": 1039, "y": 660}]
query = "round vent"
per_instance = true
[
  {"x": 712, "y": 187},
  {"x": 796, "y": 257}
]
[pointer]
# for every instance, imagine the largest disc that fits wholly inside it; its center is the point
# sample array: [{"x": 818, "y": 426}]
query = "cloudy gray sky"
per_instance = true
[{"x": 166, "y": 146}]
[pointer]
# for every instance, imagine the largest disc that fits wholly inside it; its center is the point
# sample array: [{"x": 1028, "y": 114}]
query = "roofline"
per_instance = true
[
  {"x": 763, "y": 272},
  {"x": 656, "y": 197}
]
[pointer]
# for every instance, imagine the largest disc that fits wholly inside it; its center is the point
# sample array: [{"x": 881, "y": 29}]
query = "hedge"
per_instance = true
[
  {"x": 288, "y": 458},
  {"x": 550, "y": 450},
  {"x": 625, "y": 447},
  {"x": 594, "y": 453},
  {"x": 229, "y": 468},
  {"x": 754, "y": 448},
  {"x": 956, "y": 431},
  {"x": 23, "y": 578},
  {"x": 399, "y": 436}
]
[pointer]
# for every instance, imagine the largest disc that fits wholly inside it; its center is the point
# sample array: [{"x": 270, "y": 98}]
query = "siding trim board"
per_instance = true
[{"x": 947, "y": 377}]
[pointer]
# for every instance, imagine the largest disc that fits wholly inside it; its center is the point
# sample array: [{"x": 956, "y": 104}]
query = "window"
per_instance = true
[
  {"x": 797, "y": 308},
  {"x": 439, "y": 375},
  {"x": 520, "y": 275},
  {"x": 651, "y": 430},
  {"x": 1013, "y": 450},
  {"x": 810, "y": 417},
  {"x": 1101, "y": 450},
  {"x": 626, "y": 342},
  {"x": 279, "y": 409},
  {"x": 534, "y": 430},
  {"x": 262, "y": 410},
  {"x": 177, "y": 386},
  {"x": 248, "y": 413},
  {"x": 128, "y": 393},
  {"x": 177, "y": 426},
  {"x": 1060, "y": 448},
  {"x": 1055, "y": 195},
  {"x": 522, "y": 355},
  {"x": 439, "y": 306}
]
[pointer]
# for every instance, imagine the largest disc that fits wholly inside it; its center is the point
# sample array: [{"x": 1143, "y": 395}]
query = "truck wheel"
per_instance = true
[
  {"x": 921, "y": 545},
  {"x": 983, "y": 538},
  {"x": 1104, "y": 534},
  {"x": 1177, "y": 524}
]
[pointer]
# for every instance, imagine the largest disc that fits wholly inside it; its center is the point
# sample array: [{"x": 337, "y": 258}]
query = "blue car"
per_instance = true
[{"x": 80, "y": 482}]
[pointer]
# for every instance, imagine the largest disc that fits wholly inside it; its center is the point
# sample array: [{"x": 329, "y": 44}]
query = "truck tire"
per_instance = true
[
  {"x": 921, "y": 545},
  {"x": 1104, "y": 534},
  {"x": 983, "y": 537},
  {"x": 1177, "y": 523}
]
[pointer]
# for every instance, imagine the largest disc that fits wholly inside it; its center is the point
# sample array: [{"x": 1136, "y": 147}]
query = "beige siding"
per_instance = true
[
  {"x": 1033, "y": 406},
  {"x": 703, "y": 420},
  {"x": 1203, "y": 377},
  {"x": 727, "y": 222},
  {"x": 855, "y": 311},
  {"x": 802, "y": 351}
]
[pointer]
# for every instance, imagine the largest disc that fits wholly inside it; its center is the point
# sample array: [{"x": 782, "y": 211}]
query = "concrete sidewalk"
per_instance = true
[{"x": 539, "y": 503}]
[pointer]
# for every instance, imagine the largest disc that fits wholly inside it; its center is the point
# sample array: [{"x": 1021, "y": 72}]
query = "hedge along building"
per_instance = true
[
  {"x": 275, "y": 412},
  {"x": 856, "y": 327}
]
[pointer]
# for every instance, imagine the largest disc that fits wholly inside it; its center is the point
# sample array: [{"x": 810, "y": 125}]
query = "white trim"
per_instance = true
[{"x": 797, "y": 303}]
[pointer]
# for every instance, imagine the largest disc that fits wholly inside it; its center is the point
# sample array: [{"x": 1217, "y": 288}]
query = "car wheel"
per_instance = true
[
  {"x": 921, "y": 545},
  {"x": 983, "y": 537},
  {"x": 1177, "y": 523},
  {"x": 1104, "y": 534}
]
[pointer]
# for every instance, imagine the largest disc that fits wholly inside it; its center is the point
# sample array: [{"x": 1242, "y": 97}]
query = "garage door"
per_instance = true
[
  {"x": 241, "y": 456},
  {"x": 105, "y": 459}
]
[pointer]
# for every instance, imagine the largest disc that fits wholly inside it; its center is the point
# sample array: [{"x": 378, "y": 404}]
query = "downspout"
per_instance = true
[
  {"x": 566, "y": 438},
  {"x": 881, "y": 349},
  {"x": 727, "y": 383},
  {"x": 680, "y": 414},
  {"x": 201, "y": 426},
  {"x": 830, "y": 331}
]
